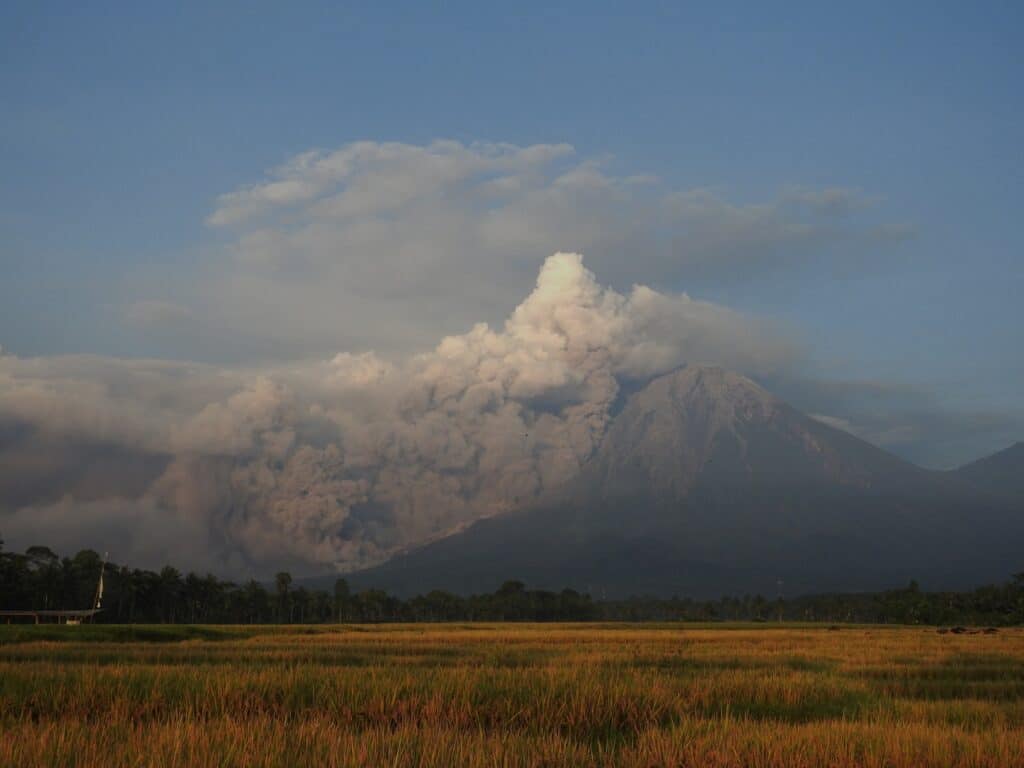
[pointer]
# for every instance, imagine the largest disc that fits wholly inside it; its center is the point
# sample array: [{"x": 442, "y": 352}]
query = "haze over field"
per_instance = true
[{"x": 345, "y": 313}]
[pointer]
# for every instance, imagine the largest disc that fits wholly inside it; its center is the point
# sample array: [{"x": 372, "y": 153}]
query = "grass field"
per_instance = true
[{"x": 482, "y": 695}]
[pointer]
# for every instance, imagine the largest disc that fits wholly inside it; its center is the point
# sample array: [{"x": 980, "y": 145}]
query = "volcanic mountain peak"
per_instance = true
[
  {"x": 668, "y": 432},
  {"x": 706, "y": 484},
  {"x": 703, "y": 425},
  {"x": 726, "y": 396}
]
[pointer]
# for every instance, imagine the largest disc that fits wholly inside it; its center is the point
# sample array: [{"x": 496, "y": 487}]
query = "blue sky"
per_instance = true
[{"x": 122, "y": 124}]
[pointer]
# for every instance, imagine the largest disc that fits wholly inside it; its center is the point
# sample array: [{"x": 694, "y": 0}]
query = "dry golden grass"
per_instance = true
[{"x": 495, "y": 695}]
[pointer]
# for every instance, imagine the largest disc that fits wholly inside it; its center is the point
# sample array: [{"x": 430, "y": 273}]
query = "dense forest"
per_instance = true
[{"x": 39, "y": 579}]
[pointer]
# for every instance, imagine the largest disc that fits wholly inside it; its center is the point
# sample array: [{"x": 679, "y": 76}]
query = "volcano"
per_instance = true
[{"x": 705, "y": 484}]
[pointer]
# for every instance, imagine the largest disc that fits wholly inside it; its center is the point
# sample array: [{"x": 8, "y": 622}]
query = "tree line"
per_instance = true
[
  {"x": 990, "y": 605},
  {"x": 39, "y": 579}
]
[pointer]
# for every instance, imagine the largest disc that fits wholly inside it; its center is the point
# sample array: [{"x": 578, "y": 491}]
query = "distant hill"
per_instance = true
[
  {"x": 1001, "y": 473},
  {"x": 706, "y": 484}
]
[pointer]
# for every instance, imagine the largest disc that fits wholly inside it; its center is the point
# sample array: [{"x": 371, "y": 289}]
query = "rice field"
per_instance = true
[{"x": 510, "y": 695}]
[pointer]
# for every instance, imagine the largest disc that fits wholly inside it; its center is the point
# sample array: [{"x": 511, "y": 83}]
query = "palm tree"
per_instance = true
[
  {"x": 283, "y": 581},
  {"x": 341, "y": 597},
  {"x": 45, "y": 565},
  {"x": 170, "y": 593},
  {"x": 257, "y": 601}
]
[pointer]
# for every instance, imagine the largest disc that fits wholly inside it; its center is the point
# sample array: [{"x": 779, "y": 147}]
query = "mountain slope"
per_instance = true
[
  {"x": 1001, "y": 473},
  {"x": 703, "y": 426},
  {"x": 707, "y": 484}
]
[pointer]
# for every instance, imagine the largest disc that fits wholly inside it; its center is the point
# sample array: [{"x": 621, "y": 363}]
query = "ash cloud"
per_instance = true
[
  {"x": 390, "y": 246},
  {"x": 346, "y": 458},
  {"x": 342, "y": 462}
]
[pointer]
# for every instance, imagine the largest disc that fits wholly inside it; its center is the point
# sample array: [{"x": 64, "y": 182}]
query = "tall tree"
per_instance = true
[
  {"x": 341, "y": 598},
  {"x": 283, "y": 582},
  {"x": 170, "y": 587}
]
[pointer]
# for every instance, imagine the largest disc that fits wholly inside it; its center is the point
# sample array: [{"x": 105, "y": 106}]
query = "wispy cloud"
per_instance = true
[{"x": 389, "y": 245}]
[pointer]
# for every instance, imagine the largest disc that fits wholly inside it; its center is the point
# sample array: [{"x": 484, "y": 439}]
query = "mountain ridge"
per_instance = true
[
  {"x": 1002, "y": 472},
  {"x": 706, "y": 483}
]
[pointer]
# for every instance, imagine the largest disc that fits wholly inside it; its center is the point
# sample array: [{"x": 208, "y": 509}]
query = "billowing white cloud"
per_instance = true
[
  {"x": 345, "y": 461},
  {"x": 390, "y": 246}
]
